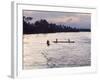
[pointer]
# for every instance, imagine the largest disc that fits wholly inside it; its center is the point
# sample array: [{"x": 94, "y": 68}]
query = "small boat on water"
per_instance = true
[
  {"x": 66, "y": 41},
  {"x": 63, "y": 41}
]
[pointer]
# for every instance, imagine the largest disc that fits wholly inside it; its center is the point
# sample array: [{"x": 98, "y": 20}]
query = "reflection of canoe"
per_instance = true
[{"x": 63, "y": 41}]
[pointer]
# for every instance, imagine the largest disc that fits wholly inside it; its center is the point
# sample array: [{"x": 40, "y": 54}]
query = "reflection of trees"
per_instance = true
[{"x": 42, "y": 26}]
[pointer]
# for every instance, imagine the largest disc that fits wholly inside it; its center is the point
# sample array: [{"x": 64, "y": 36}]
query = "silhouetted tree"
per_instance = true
[{"x": 42, "y": 26}]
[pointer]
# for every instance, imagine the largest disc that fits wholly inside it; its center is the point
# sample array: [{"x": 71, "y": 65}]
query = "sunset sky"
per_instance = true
[{"x": 78, "y": 20}]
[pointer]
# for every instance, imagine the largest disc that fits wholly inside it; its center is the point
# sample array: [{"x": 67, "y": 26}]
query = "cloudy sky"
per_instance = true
[{"x": 78, "y": 20}]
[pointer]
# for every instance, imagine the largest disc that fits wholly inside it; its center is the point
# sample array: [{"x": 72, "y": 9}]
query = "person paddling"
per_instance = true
[
  {"x": 56, "y": 40},
  {"x": 69, "y": 40}
]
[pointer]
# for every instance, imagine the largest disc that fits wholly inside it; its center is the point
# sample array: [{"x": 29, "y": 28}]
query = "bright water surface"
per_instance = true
[{"x": 38, "y": 55}]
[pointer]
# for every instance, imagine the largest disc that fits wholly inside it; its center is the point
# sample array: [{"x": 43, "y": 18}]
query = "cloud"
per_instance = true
[{"x": 65, "y": 19}]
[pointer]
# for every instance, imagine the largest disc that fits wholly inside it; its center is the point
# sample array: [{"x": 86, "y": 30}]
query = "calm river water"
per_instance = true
[{"x": 38, "y": 55}]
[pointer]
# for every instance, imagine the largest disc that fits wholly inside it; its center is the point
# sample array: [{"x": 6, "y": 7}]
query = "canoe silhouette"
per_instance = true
[{"x": 63, "y": 41}]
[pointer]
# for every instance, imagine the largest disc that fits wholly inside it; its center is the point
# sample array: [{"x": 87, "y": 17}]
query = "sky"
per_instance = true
[{"x": 73, "y": 19}]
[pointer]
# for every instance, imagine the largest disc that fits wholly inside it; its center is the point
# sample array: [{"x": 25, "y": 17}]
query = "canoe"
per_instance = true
[{"x": 63, "y": 41}]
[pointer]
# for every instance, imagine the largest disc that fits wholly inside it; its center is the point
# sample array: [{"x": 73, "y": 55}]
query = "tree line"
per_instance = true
[{"x": 42, "y": 26}]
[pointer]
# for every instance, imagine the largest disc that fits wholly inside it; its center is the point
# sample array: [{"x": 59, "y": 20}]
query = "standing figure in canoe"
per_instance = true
[
  {"x": 56, "y": 40},
  {"x": 48, "y": 42},
  {"x": 68, "y": 40}
]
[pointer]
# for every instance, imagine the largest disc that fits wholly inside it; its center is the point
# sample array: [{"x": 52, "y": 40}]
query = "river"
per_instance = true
[{"x": 37, "y": 54}]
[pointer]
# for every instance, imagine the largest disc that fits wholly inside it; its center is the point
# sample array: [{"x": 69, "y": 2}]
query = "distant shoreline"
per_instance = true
[
  {"x": 43, "y": 26},
  {"x": 55, "y": 32}
]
